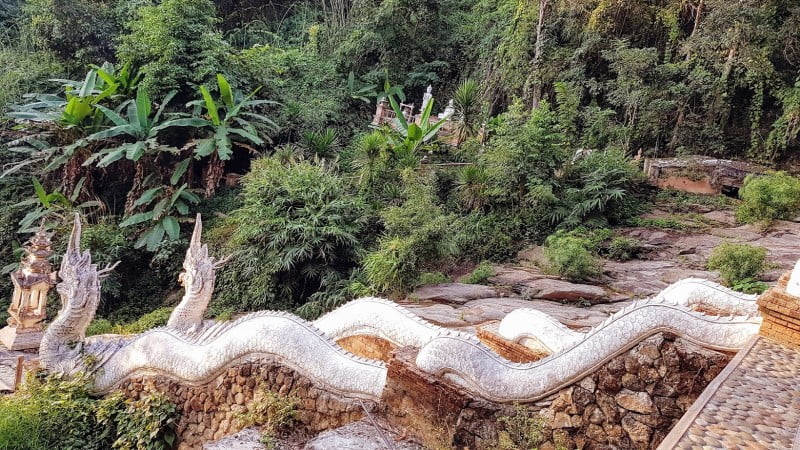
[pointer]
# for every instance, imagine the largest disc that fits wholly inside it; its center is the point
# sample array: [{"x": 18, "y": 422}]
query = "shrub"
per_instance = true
[
  {"x": 174, "y": 43},
  {"x": 23, "y": 72},
  {"x": 600, "y": 189},
  {"x": 157, "y": 318},
  {"x": 78, "y": 30},
  {"x": 309, "y": 86},
  {"x": 766, "y": 198},
  {"x": 53, "y": 412},
  {"x": 153, "y": 319},
  {"x": 569, "y": 256},
  {"x": 738, "y": 262},
  {"x": 418, "y": 234},
  {"x": 146, "y": 423},
  {"x": 271, "y": 412},
  {"x": 480, "y": 274},
  {"x": 749, "y": 286},
  {"x": 523, "y": 429},
  {"x": 494, "y": 236},
  {"x": 623, "y": 249},
  {"x": 299, "y": 227},
  {"x": 527, "y": 150},
  {"x": 433, "y": 278}
]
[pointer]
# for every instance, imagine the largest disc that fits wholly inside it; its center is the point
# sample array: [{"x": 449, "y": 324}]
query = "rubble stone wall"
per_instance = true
[
  {"x": 631, "y": 402},
  {"x": 209, "y": 411}
]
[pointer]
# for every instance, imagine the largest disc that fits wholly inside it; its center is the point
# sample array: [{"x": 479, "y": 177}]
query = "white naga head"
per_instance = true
[{"x": 793, "y": 287}]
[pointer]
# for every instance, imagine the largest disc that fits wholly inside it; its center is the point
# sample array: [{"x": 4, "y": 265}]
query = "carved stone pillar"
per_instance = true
[{"x": 31, "y": 281}]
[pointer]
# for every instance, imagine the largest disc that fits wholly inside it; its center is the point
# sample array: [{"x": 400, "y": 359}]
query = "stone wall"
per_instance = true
[
  {"x": 209, "y": 411},
  {"x": 630, "y": 402}
]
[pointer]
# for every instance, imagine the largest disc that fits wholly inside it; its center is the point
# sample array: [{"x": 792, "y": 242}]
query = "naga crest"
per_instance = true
[
  {"x": 79, "y": 290},
  {"x": 198, "y": 267},
  {"x": 197, "y": 279}
]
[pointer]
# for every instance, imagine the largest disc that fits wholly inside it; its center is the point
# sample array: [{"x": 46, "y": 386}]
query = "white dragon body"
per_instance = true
[{"x": 192, "y": 354}]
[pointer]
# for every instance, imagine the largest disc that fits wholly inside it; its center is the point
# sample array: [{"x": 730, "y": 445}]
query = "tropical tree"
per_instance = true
[
  {"x": 140, "y": 127},
  {"x": 230, "y": 121}
]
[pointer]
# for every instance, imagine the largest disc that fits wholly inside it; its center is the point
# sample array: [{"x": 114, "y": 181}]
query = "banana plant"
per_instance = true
[
  {"x": 227, "y": 119},
  {"x": 47, "y": 205},
  {"x": 359, "y": 91},
  {"x": 76, "y": 110},
  {"x": 141, "y": 127},
  {"x": 169, "y": 204},
  {"x": 230, "y": 121},
  {"x": 414, "y": 135},
  {"x": 126, "y": 79}
]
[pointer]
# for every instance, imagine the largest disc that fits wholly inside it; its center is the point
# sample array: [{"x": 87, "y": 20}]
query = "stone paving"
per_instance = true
[{"x": 753, "y": 404}]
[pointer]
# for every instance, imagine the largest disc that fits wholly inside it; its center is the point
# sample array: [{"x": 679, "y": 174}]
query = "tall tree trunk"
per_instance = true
[
  {"x": 716, "y": 106},
  {"x": 538, "y": 49},
  {"x": 698, "y": 17},
  {"x": 212, "y": 174},
  {"x": 136, "y": 188}
]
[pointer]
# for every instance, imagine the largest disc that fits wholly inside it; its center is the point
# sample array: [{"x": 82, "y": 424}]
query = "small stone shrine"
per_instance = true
[{"x": 32, "y": 281}]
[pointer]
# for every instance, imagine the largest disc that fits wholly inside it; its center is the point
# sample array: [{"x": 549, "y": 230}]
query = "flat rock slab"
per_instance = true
[
  {"x": 247, "y": 439},
  {"x": 361, "y": 435},
  {"x": 515, "y": 276},
  {"x": 452, "y": 292},
  {"x": 560, "y": 290},
  {"x": 478, "y": 312}
]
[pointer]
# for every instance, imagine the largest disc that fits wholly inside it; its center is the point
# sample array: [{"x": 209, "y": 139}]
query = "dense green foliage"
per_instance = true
[
  {"x": 55, "y": 413},
  {"x": 738, "y": 263},
  {"x": 768, "y": 198},
  {"x": 138, "y": 113},
  {"x": 570, "y": 255},
  {"x": 298, "y": 231}
]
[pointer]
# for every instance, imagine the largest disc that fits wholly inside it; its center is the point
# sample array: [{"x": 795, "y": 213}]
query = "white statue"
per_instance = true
[
  {"x": 793, "y": 287},
  {"x": 448, "y": 111},
  {"x": 427, "y": 97}
]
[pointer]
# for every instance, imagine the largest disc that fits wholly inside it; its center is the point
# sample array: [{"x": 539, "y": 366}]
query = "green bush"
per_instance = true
[
  {"x": 146, "y": 423},
  {"x": 174, "y": 43},
  {"x": 622, "y": 249},
  {"x": 57, "y": 413},
  {"x": 306, "y": 84},
  {"x": 299, "y": 228},
  {"x": 22, "y": 72},
  {"x": 153, "y": 319},
  {"x": 737, "y": 263},
  {"x": 494, "y": 236},
  {"x": 79, "y": 31},
  {"x": 480, "y": 274},
  {"x": 418, "y": 235},
  {"x": 433, "y": 278},
  {"x": 766, "y": 198},
  {"x": 569, "y": 256}
]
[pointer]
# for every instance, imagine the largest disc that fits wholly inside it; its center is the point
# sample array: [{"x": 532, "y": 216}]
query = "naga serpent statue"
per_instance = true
[
  {"x": 193, "y": 354},
  {"x": 187, "y": 353}
]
